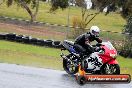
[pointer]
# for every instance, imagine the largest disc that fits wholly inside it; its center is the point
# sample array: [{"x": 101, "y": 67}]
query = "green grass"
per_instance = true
[
  {"x": 11, "y": 52},
  {"x": 125, "y": 64},
  {"x": 112, "y": 21}
]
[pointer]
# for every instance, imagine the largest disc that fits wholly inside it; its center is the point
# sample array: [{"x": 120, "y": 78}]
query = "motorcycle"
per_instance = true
[{"x": 103, "y": 61}]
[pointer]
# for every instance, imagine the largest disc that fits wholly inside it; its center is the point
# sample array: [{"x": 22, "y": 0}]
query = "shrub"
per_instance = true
[
  {"x": 127, "y": 47},
  {"x": 126, "y": 50},
  {"x": 79, "y": 26}
]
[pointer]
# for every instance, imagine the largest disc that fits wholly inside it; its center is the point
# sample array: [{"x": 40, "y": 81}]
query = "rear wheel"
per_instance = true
[
  {"x": 110, "y": 69},
  {"x": 69, "y": 67}
]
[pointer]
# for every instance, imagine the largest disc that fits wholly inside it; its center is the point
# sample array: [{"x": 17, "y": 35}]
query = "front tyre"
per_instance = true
[
  {"x": 69, "y": 67},
  {"x": 110, "y": 69}
]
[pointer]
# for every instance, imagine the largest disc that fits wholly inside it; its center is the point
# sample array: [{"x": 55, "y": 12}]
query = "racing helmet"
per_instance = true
[{"x": 94, "y": 30}]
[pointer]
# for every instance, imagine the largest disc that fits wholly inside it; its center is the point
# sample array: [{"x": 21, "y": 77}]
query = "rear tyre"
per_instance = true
[
  {"x": 110, "y": 69},
  {"x": 69, "y": 67}
]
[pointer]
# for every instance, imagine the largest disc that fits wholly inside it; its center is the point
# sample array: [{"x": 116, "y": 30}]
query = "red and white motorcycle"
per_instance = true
[{"x": 101, "y": 62}]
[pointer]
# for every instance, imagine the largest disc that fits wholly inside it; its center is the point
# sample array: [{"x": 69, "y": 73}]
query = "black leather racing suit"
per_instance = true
[{"x": 82, "y": 43}]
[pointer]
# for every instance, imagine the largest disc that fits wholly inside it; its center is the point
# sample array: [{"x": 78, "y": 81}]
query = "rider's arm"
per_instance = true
[
  {"x": 89, "y": 46},
  {"x": 98, "y": 40},
  {"x": 97, "y": 48}
]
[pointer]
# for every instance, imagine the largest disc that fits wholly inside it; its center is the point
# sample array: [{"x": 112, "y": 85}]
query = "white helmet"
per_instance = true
[{"x": 94, "y": 30}]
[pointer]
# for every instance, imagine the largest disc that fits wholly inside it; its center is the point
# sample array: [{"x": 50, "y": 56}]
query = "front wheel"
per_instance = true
[
  {"x": 110, "y": 69},
  {"x": 69, "y": 67}
]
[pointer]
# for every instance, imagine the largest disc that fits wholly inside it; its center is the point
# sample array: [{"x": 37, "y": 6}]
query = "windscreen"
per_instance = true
[{"x": 108, "y": 45}]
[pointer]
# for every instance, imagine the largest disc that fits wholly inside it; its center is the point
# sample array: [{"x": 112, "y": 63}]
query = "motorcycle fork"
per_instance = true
[{"x": 107, "y": 68}]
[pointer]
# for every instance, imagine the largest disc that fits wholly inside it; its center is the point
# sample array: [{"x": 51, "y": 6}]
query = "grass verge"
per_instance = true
[
  {"x": 11, "y": 52},
  {"x": 125, "y": 64}
]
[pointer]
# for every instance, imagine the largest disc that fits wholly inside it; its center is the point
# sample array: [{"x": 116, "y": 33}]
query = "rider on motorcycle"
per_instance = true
[{"x": 82, "y": 42}]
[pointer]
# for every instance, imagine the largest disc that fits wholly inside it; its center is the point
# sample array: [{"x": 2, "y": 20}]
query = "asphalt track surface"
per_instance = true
[{"x": 16, "y": 76}]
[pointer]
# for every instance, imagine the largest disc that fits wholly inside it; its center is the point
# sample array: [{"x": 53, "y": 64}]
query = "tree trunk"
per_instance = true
[
  {"x": 92, "y": 18},
  {"x": 36, "y": 10},
  {"x": 24, "y": 5}
]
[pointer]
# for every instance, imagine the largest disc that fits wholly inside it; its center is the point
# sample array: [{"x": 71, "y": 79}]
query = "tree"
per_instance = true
[
  {"x": 99, "y": 4},
  {"x": 79, "y": 23},
  {"x": 25, "y": 4},
  {"x": 55, "y": 4},
  {"x": 126, "y": 6},
  {"x": 127, "y": 46},
  {"x": 85, "y": 13}
]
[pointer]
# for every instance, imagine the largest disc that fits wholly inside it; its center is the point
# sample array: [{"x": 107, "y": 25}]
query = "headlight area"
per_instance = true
[{"x": 113, "y": 55}]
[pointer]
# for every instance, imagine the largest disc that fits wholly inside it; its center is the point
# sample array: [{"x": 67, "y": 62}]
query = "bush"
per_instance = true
[
  {"x": 126, "y": 50},
  {"x": 127, "y": 47},
  {"x": 79, "y": 27}
]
